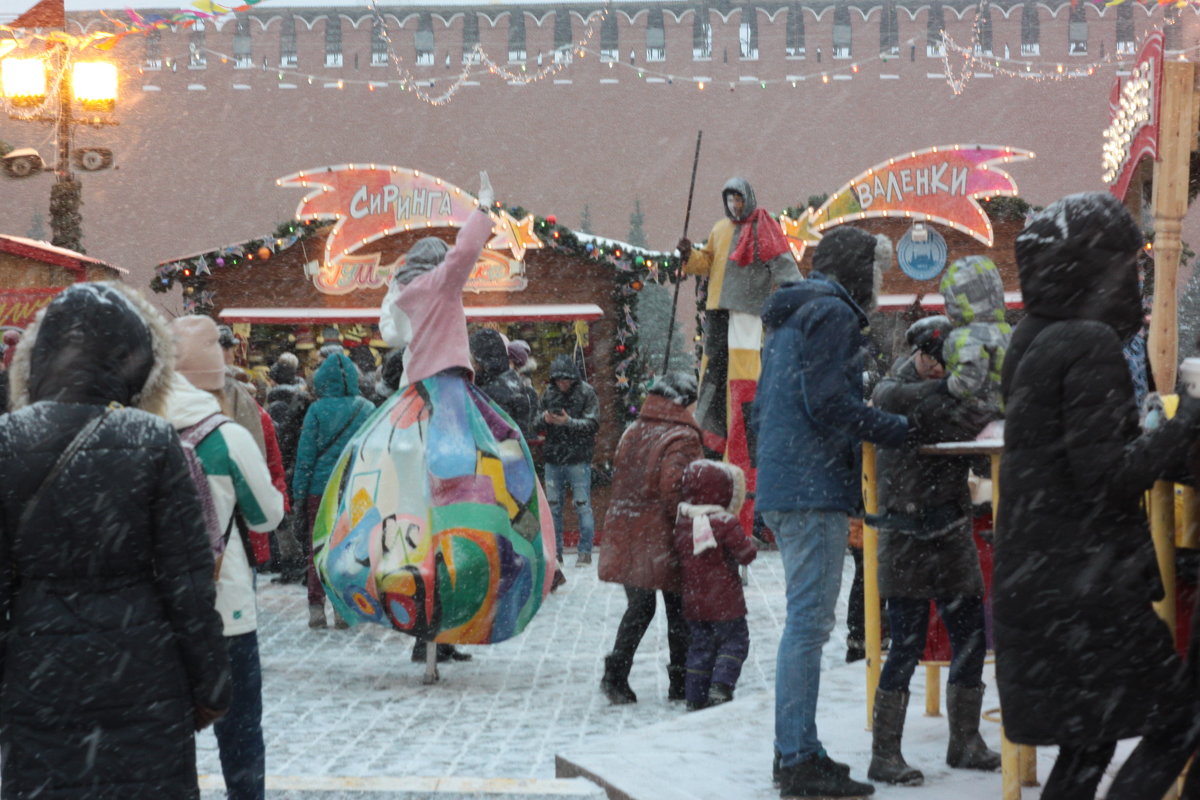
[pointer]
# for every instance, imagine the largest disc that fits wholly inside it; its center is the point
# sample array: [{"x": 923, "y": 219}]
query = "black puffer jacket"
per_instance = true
[
  {"x": 287, "y": 404},
  {"x": 110, "y": 637},
  {"x": 574, "y": 442},
  {"x": 1081, "y": 656},
  {"x": 925, "y": 544},
  {"x": 499, "y": 381}
]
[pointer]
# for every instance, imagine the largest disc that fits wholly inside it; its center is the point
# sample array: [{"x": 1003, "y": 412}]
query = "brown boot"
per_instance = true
[
  {"x": 967, "y": 749},
  {"x": 887, "y": 729}
]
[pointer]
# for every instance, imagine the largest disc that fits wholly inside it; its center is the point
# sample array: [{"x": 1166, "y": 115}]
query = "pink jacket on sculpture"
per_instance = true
[{"x": 426, "y": 315}]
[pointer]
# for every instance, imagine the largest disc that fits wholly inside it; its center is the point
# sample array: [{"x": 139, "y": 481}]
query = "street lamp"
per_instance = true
[{"x": 25, "y": 84}]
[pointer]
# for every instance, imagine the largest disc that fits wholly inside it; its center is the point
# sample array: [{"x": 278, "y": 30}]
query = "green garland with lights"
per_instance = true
[{"x": 632, "y": 269}]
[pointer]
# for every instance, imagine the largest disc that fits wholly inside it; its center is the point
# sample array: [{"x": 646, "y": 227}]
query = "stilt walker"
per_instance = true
[{"x": 745, "y": 256}]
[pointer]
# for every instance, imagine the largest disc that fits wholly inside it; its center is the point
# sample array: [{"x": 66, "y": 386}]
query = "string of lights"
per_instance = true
[{"x": 1026, "y": 69}]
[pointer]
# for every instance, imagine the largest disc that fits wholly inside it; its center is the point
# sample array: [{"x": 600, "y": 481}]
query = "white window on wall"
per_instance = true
[
  {"x": 610, "y": 49},
  {"x": 333, "y": 42},
  {"x": 516, "y": 36},
  {"x": 379, "y": 45},
  {"x": 935, "y": 47},
  {"x": 841, "y": 31},
  {"x": 423, "y": 41},
  {"x": 470, "y": 55},
  {"x": 701, "y": 37},
  {"x": 795, "y": 31},
  {"x": 656, "y": 37},
  {"x": 153, "y": 60},
  {"x": 242, "y": 58},
  {"x": 287, "y": 43},
  {"x": 1077, "y": 32},
  {"x": 1125, "y": 33},
  {"x": 1030, "y": 30},
  {"x": 564, "y": 37},
  {"x": 748, "y": 35},
  {"x": 197, "y": 58}
]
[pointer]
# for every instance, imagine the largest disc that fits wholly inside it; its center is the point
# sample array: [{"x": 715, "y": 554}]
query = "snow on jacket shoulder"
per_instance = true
[{"x": 809, "y": 415}]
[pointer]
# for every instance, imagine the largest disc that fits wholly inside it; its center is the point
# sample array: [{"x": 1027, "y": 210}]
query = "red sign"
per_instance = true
[
  {"x": 18, "y": 307},
  {"x": 1132, "y": 133}
]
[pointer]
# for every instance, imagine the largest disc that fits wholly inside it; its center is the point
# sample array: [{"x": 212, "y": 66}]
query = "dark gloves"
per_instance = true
[
  {"x": 685, "y": 248},
  {"x": 204, "y": 716}
]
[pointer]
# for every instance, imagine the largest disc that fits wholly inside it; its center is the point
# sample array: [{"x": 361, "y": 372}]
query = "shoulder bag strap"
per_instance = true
[{"x": 67, "y": 454}]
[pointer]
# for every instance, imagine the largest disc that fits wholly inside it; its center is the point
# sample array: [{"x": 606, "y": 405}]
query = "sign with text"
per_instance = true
[
  {"x": 921, "y": 257},
  {"x": 370, "y": 201},
  {"x": 940, "y": 184},
  {"x": 19, "y": 307}
]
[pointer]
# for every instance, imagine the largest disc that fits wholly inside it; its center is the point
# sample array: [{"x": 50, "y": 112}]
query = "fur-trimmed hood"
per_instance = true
[
  {"x": 95, "y": 343},
  {"x": 709, "y": 483}
]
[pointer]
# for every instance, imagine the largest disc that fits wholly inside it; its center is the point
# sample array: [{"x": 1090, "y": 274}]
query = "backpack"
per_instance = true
[{"x": 218, "y": 537}]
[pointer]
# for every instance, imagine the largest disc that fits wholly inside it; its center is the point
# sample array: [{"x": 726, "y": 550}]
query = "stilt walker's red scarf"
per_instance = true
[{"x": 764, "y": 242}]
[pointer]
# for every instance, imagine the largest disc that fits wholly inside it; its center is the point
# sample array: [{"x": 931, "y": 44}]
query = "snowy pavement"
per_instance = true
[{"x": 346, "y": 713}]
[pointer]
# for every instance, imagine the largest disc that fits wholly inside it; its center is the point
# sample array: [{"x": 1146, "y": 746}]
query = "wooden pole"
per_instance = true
[
  {"x": 873, "y": 628},
  {"x": 687, "y": 218},
  {"x": 1175, "y": 138},
  {"x": 1162, "y": 531}
]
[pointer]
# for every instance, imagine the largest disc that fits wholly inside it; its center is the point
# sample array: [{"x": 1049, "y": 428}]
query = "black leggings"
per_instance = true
[{"x": 637, "y": 619}]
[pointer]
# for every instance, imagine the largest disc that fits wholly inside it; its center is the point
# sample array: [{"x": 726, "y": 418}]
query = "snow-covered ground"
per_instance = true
[{"x": 351, "y": 703}]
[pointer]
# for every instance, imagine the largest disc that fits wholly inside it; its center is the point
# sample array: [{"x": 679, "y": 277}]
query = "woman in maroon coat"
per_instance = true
[{"x": 638, "y": 552}]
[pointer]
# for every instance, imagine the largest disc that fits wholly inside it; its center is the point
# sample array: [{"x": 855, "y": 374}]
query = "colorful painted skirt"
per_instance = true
[{"x": 433, "y": 520}]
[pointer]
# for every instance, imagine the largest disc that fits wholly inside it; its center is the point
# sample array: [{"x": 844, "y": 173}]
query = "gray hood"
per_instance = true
[
  {"x": 742, "y": 187},
  {"x": 973, "y": 291},
  {"x": 423, "y": 256}
]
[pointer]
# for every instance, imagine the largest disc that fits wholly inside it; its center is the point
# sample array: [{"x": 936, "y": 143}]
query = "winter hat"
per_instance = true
[
  {"x": 519, "y": 352},
  {"x": 856, "y": 260},
  {"x": 678, "y": 387},
  {"x": 391, "y": 371},
  {"x": 198, "y": 355},
  {"x": 423, "y": 256},
  {"x": 226, "y": 337},
  {"x": 929, "y": 335},
  {"x": 1077, "y": 259},
  {"x": 284, "y": 370}
]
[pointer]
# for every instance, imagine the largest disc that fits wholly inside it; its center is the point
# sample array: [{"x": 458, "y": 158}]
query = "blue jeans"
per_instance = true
[
  {"x": 813, "y": 546},
  {"x": 579, "y": 476},
  {"x": 239, "y": 733}
]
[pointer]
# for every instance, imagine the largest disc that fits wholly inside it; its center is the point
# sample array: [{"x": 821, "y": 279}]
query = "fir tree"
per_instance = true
[
  {"x": 637, "y": 235},
  {"x": 653, "y": 314},
  {"x": 585, "y": 220}
]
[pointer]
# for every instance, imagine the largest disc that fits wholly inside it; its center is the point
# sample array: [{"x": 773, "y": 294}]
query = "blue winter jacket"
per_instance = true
[
  {"x": 336, "y": 416},
  {"x": 809, "y": 417}
]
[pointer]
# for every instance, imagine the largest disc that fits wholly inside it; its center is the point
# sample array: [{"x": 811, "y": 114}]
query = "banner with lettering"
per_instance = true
[
  {"x": 940, "y": 184},
  {"x": 18, "y": 307},
  {"x": 371, "y": 201}
]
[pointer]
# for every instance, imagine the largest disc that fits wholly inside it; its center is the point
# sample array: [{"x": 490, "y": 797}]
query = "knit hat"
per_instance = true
[
  {"x": 198, "y": 355},
  {"x": 678, "y": 387},
  {"x": 519, "y": 352},
  {"x": 423, "y": 256},
  {"x": 856, "y": 260}
]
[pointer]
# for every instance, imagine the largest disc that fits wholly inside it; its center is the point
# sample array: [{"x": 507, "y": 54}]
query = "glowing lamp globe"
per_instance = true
[
  {"x": 23, "y": 80},
  {"x": 95, "y": 84}
]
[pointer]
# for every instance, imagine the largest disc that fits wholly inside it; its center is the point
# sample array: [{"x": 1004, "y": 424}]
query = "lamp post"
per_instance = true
[{"x": 93, "y": 84}]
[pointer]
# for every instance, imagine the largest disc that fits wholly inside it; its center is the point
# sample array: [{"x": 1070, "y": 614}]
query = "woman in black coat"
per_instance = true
[
  {"x": 1082, "y": 659},
  {"x": 111, "y": 653}
]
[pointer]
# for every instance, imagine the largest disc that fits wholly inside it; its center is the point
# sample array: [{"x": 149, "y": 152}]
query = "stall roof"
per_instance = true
[
  {"x": 934, "y": 301},
  {"x": 50, "y": 254},
  {"x": 526, "y": 313}
]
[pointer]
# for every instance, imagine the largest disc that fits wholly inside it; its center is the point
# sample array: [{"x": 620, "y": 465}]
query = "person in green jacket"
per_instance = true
[{"x": 330, "y": 423}]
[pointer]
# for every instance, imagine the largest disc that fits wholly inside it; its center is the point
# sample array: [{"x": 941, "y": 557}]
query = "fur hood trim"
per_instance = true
[{"x": 153, "y": 395}]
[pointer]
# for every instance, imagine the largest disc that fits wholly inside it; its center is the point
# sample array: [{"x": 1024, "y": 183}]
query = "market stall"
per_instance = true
[{"x": 33, "y": 272}]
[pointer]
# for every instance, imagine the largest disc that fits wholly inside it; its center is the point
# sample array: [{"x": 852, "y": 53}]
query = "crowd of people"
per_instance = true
[{"x": 171, "y": 479}]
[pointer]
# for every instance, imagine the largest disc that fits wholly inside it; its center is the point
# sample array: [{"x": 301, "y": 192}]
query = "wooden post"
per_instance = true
[
  {"x": 1189, "y": 535},
  {"x": 873, "y": 629},
  {"x": 933, "y": 689},
  {"x": 1162, "y": 531},
  {"x": 1175, "y": 137}
]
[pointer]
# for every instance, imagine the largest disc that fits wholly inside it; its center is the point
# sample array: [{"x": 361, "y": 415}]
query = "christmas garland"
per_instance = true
[{"x": 632, "y": 269}]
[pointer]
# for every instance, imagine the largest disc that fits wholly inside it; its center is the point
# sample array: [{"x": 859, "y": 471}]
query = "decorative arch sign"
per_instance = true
[
  {"x": 940, "y": 184},
  {"x": 371, "y": 201},
  {"x": 1132, "y": 132}
]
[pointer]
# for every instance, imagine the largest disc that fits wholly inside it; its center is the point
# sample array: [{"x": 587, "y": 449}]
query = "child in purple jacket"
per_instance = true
[{"x": 711, "y": 544}]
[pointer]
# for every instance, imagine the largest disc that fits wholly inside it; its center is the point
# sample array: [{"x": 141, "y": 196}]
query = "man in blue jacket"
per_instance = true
[{"x": 810, "y": 421}]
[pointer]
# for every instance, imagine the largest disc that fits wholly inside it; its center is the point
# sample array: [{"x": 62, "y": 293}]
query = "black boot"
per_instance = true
[
  {"x": 837, "y": 766},
  {"x": 887, "y": 729},
  {"x": 676, "y": 677},
  {"x": 967, "y": 749},
  {"x": 615, "y": 683},
  {"x": 719, "y": 693},
  {"x": 818, "y": 777},
  {"x": 448, "y": 652}
]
